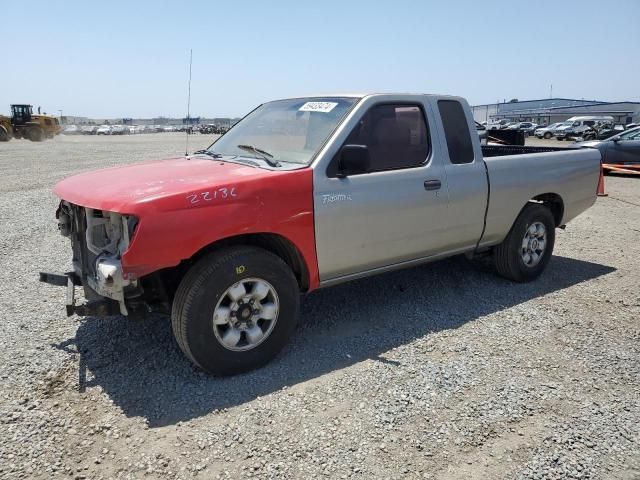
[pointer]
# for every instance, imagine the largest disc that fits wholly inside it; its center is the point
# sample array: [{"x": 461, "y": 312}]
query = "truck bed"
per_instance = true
[{"x": 518, "y": 174}]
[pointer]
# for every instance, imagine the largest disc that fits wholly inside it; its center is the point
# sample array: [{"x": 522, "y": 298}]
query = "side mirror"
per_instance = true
[
  {"x": 354, "y": 159},
  {"x": 615, "y": 139}
]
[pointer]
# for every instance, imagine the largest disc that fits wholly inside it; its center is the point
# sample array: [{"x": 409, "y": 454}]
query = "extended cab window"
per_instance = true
[
  {"x": 456, "y": 131},
  {"x": 395, "y": 135}
]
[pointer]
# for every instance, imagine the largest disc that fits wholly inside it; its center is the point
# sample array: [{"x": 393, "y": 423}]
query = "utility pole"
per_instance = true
[
  {"x": 551, "y": 91},
  {"x": 60, "y": 116}
]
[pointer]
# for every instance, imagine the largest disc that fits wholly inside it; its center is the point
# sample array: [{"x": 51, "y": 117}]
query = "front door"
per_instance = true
[
  {"x": 393, "y": 212},
  {"x": 626, "y": 150}
]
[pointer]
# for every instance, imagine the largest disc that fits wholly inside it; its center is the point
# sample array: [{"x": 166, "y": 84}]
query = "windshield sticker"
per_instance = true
[{"x": 324, "y": 107}]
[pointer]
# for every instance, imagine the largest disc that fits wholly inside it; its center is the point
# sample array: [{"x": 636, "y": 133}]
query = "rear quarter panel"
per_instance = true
[{"x": 515, "y": 179}]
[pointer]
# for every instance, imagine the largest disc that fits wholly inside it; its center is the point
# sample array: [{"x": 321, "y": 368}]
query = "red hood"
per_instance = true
[{"x": 122, "y": 189}]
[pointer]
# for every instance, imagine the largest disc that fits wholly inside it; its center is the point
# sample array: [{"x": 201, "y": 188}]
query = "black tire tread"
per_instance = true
[
  {"x": 505, "y": 261},
  {"x": 192, "y": 282}
]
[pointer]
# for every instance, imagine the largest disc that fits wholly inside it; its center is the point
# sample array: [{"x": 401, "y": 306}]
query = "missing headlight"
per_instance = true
[{"x": 109, "y": 232}]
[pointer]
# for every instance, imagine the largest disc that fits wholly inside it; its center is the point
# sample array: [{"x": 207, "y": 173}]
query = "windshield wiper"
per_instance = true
[
  {"x": 207, "y": 152},
  {"x": 266, "y": 156}
]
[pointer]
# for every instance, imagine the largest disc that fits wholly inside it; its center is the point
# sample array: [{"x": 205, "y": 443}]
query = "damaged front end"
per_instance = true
[{"x": 98, "y": 240}]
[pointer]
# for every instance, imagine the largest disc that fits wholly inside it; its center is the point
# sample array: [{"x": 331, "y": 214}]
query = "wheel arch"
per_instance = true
[
  {"x": 553, "y": 202},
  {"x": 272, "y": 242},
  {"x": 162, "y": 284}
]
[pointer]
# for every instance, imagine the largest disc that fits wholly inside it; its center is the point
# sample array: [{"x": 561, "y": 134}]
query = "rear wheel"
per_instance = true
[
  {"x": 547, "y": 135},
  {"x": 524, "y": 254},
  {"x": 235, "y": 310},
  {"x": 4, "y": 135}
]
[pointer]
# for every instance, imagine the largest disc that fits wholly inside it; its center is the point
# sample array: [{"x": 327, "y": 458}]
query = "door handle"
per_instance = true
[{"x": 432, "y": 184}]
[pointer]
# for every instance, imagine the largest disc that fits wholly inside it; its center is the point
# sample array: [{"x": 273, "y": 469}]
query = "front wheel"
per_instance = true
[
  {"x": 235, "y": 309},
  {"x": 547, "y": 135},
  {"x": 526, "y": 251},
  {"x": 35, "y": 134}
]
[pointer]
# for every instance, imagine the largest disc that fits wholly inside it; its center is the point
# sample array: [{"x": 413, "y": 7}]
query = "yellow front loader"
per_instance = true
[{"x": 24, "y": 124}]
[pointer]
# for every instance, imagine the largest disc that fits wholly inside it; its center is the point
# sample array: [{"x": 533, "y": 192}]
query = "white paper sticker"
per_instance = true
[{"x": 324, "y": 107}]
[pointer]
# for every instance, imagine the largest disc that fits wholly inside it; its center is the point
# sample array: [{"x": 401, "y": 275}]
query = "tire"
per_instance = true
[
  {"x": 35, "y": 134},
  {"x": 559, "y": 138},
  {"x": 4, "y": 135},
  {"x": 509, "y": 256},
  {"x": 205, "y": 290},
  {"x": 547, "y": 135}
]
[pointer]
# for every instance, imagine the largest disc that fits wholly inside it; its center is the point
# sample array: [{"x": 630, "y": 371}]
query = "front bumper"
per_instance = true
[
  {"x": 100, "y": 307},
  {"x": 97, "y": 240}
]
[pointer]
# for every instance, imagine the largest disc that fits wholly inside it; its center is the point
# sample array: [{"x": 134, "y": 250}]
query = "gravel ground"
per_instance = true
[{"x": 441, "y": 372}]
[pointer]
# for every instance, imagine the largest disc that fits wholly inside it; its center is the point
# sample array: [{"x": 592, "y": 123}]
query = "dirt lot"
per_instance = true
[{"x": 441, "y": 372}]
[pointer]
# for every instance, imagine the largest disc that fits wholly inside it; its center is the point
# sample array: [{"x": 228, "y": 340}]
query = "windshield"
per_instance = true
[
  {"x": 630, "y": 135},
  {"x": 290, "y": 131}
]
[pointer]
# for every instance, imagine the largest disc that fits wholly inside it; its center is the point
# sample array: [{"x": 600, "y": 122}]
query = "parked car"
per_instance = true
[
  {"x": 576, "y": 126},
  {"x": 558, "y": 132},
  {"x": 103, "y": 130},
  {"x": 169, "y": 128},
  {"x": 499, "y": 125},
  {"x": 89, "y": 129},
  {"x": 608, "y": 131},
  {"x": 621, "y": 149},
  {"x": 119, "y": 130},
  {"x": 546, "y": 132},
  {"x": 600, "y": 131},
  {"x": 631, "y": 125},
  {"x": 527, "y": 127},
  {"x": 71, "y": 130},
  {"x": 579, "y": 132},
  {"x": 229, "y": 237}
]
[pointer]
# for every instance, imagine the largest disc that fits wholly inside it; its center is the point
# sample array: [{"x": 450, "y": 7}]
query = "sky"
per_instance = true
[{"x": 116, "y": 58}]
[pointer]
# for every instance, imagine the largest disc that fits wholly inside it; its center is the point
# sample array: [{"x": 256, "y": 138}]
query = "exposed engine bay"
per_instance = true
[{"x": 98, "y": 241}]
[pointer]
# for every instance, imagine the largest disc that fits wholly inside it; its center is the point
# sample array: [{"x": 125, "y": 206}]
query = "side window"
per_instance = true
[
  {"x": 456, "y": 131},
  {"x": 47, "y": 121},
  {"x": 396, "y": 136}
]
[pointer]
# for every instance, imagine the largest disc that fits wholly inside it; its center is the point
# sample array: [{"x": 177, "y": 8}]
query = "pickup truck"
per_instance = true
[{"x": 306, "y": 193}]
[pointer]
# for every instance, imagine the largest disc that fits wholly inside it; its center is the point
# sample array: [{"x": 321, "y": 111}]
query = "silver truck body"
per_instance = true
[{"x": 373, "y": 222}]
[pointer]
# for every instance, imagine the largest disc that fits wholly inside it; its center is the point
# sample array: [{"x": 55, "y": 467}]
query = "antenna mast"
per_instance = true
[{"x": 186, "y": 153}]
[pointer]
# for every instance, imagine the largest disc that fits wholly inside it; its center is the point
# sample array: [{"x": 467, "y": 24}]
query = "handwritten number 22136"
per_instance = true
[{"x": 220, "y": 193}]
